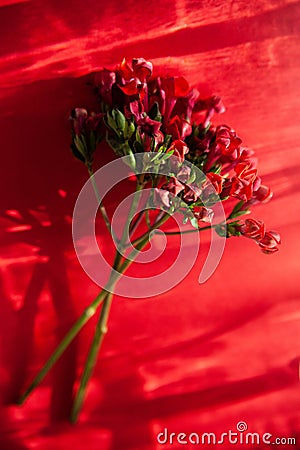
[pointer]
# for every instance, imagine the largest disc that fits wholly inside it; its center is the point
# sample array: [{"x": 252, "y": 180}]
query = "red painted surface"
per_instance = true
[{"x": 199, "y": 358}]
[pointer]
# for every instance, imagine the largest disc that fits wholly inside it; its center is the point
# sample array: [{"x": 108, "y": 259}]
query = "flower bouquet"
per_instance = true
[{"x": 184, "y": 169}]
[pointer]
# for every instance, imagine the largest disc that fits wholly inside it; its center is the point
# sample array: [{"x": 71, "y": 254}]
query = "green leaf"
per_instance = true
[
  {"x": 192, "y": 177},
  {"x": 129, "y": 129},
  {"x": 167, "y": 155},
  {"x": 76, "y": 153},
  {"x": 116, "y": 121},
  {"x": 216, "y": 168},
  {"x": 138, "y": 136},
  {"x": 237, "y": 210},
  {"x": 194, "y": 222},
  {"x": 128, "y": 152},
  {"x": 241, "y": 213},
  {"x": 80, "y": 146},
  {"x": 119, "y": 119},
  {"x": 92, "y": 141}
]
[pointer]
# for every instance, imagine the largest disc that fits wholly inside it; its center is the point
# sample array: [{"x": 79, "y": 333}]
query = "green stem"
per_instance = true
[
  {"x": 101, "y": 206},
  {"x": 195, "y": 230},
  {"x": 101, "y": 330},
  {"x": 156, "y": 225},
  {"x": 134, "y": 202},
  {"x": 147, "y": 217},
  {"x": 101, "y": 327},
  {"x": 135, "y": 223}
]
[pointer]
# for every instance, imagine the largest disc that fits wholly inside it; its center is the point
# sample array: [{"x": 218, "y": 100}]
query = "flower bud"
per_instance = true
[
  {"x": 253, "y": 228},
  {"x": 116, "y": 121},
  {"x": 269, "y": 243}
]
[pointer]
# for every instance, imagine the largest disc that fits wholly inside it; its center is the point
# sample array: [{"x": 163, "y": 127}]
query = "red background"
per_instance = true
[{"x": 198, "y": 358}]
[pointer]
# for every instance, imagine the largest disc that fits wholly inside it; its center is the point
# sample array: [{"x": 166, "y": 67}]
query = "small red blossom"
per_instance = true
[
  {"x": 227, "y": 140},
  {"x": 243, "y": 183},
  {"x": 135, "y": 109},
  {"x": 216, "y": 180},
  {"x": 184, "y": 173},
  {"x": 174, "y": 186},
  {"x": 78, "y": 117},
  {"x": 178, "y": 128},
  {"x": 263, "y": 194},
  {"x": 83, "y": 122},
  {"x": 244, "y": 154},
  {"x": 142, "y": 68},
  {"x": 133, "y": 80},
  {"x": 173, "y": 88},
  {"x": 203, "y": 214},
  {"x": 149, "y": 126},
  {"x": 103, "y": 82},
  {"x": 269, "y": 243},
  {"x": 184, "y": 106},
  {"x": 179, "y": 149},
  {"x": 191, "y": 193},
  {"x": 161, "y": 198},
  {"x": 253, "y": 228}
]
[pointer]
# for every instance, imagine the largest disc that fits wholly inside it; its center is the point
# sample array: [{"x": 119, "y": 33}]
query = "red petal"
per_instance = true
[
  {"x": 130, "y": 88},
  {"x": 181, "y": 87},
  {"x": 125, "y": 71}
]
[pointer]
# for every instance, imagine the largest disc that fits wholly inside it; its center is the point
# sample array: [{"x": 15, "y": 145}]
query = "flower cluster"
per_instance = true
[
  {"x": 163, "y": 128},
  {"x": 140, "y": 113}
]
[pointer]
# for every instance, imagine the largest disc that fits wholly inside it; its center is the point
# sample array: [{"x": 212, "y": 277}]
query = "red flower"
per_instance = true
[
  {"x": 191, "y": 193},
  {"x": 253, "y": 228},
  {"x": 135, "y": 109},
  {"x": 216, "y": 180},
  {"x": 83, "y": 122},
  {"x": 269, "y": 243},
  {"x": 142, "y": 68},
  {"x": 147, "y": 127},
  {"x": 161, "y": 198},
  {"x": 133, "y": 80},
  {"x": 243, "y": 183},
  {"x": 227, "y": 140},
  {"x": 173, "y": 88},
  {"x": 244, "y": 154},
  {"x": 178, "y": 128},
  {"x": 104, "y": 81},
  {"x": 78, "y": 117},
  {"x": 185, "y": 105},
  {"x": 203, "y": 214},
  {"x": 179, "y": 149},
  {"x": 174, "y": 186}
]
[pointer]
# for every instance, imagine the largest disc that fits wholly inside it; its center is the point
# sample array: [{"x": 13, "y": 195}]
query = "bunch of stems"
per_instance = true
[{"x": 104, "y": 298}]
